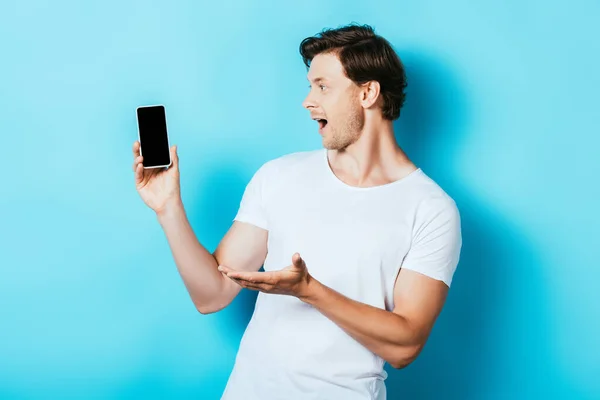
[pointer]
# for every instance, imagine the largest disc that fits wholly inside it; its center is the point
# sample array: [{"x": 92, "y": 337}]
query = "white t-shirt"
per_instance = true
[{"x": 353, "y": 240}]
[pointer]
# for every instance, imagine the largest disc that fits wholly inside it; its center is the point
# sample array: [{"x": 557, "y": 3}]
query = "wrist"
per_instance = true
[
  {"x": 311, "y": 290},
  {"x": 170, "y": 209}
]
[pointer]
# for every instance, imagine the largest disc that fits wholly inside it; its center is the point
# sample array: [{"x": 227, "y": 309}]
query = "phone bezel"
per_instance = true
[{"x": 166, "y": 129}]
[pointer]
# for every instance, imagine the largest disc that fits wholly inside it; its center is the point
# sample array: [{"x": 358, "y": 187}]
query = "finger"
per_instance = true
[
  {"x": 139, "y": 173},
  {"x": 174, "y": 156},
  {"x": 245, "y": 284},
  {"x": 297, "y": 260},
  {"x": 237, "y": 276},
  {"x": 225, "y": 269},
  {"x": 241, "y": 283},
  {"x": 137, "y": 161},
  {"x": 252, "y": 277},
  {"x": 251, "y": 286},
  {"x": 136, "y": 149},
  {"x": 256, "y": 287}
]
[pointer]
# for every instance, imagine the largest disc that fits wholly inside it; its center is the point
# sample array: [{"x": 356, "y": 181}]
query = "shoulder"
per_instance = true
[{"x": 431, "y": 200}]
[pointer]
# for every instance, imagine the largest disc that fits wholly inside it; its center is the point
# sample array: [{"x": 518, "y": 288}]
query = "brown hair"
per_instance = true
[{"x": 365, "y": 56}]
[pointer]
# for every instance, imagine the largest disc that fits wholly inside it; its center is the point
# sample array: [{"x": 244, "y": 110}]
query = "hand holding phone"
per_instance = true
[{"x": 158, "y": 186}]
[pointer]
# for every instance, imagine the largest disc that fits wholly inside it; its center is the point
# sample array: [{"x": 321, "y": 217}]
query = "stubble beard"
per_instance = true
[{"x": 344, "y": 136}]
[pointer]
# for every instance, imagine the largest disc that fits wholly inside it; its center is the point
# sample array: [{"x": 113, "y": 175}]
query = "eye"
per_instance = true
[{"x": 321, "y": 86}]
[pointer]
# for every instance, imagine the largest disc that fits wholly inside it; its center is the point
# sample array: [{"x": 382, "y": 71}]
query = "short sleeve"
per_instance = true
[
  {"x": 437, "y": 241},
  {"x": 252, "y": 208}
]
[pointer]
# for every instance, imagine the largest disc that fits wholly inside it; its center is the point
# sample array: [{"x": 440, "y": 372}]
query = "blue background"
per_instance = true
[{"x": 502, "y": 111}]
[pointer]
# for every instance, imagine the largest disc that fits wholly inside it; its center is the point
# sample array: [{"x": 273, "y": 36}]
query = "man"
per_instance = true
[{"x": 359, "y": 245}]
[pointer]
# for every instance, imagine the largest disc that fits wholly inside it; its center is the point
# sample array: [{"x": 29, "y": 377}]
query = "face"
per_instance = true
[{"x": 334, "y": 100}]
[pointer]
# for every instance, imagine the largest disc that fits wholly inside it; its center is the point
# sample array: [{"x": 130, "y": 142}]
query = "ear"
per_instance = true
[{"x": 369, "y": 93}]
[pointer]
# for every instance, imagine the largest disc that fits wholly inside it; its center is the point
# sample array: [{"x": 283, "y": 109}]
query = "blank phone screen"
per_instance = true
[{"x": 154, "y": 142}]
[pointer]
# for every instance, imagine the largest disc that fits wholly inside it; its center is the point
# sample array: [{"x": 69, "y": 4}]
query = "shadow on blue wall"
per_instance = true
[
  {"x": 223, "y": 190},
  {"x": 474, "y": 342}
]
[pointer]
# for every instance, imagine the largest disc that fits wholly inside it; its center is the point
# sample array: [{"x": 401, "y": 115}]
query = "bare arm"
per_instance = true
[
  {"x": 244, "y": 247},
  {"x": 397, "y": 336}
]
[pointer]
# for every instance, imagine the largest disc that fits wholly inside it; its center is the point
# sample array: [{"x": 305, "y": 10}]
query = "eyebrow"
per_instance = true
[{"x": 318, "y": 79}]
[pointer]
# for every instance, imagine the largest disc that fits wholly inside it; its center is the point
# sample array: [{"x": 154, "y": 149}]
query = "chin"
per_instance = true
[
  {"x": 328, "y": 145},
  {"x": 332, "y": 144}
]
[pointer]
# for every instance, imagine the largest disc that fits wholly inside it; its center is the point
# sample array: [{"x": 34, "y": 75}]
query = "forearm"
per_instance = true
[
  {"x": 195, "y": 264},
  {"x": 385, "y": 333}
]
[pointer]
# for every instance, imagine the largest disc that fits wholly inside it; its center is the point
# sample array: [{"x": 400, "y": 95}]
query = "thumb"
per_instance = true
[
  {"x": 298, "y": 261},
  {"x": 174, "y": 156}
]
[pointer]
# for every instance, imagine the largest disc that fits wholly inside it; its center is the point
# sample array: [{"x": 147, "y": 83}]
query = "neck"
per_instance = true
[{"x": 374, "y": 159}]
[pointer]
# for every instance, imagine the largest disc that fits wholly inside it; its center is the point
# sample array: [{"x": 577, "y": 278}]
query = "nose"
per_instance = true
[{"x": 308, "y": 102}]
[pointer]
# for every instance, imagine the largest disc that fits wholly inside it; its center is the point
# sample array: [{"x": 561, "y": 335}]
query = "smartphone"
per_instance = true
[{"x": 153, "y": 136}]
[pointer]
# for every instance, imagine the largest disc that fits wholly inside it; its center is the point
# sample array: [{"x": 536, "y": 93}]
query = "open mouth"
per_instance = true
[{"x": 322, "y": 122}]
